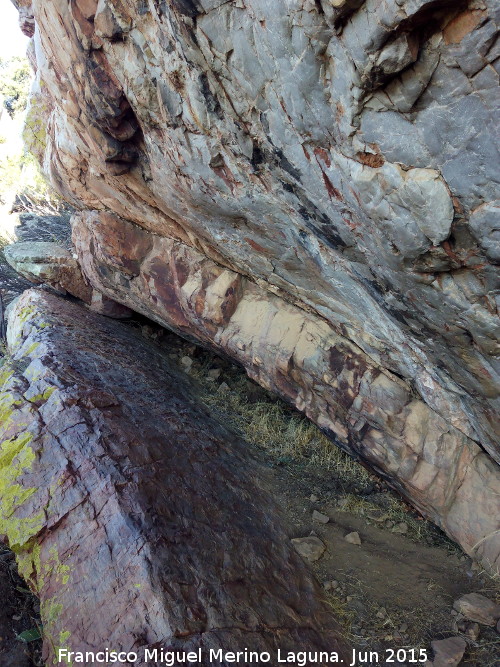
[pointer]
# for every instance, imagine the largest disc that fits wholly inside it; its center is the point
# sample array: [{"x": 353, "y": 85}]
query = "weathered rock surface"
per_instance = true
[
  {"x": 370, "y": 411},
  {"x": 261, "y": 175},
  {"x": 477, "y": 607},
  {"x": 448, "y": 652},
  {"x": 45, "y": 262},
  {"x": 110, "y": 473}
]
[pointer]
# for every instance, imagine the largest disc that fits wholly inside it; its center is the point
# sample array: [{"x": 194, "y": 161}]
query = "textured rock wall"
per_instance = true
[
  {"x": 370, "y": 412},
  {"x": 337, "y": 156},
  {"x": 138, "y": 519}
]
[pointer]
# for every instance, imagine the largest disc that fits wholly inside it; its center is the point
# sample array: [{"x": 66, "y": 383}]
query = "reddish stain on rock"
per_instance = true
[
  {"x": 332, "y": 191},
  {"x": 462, "y": 25},
  {"x": 323, "y": 155},
  {"x": 256, "y": 246},
  {"x": 371, "y": 159}
]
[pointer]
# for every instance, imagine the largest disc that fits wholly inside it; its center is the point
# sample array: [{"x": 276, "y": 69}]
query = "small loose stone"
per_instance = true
[
  {"x": 448, "y": 652},
  {"x": 400, "y": 528},
  {"x": 186, "y": 362},
  {"x": 319, "y": 517},
  {"x": 311, "y": 548}
]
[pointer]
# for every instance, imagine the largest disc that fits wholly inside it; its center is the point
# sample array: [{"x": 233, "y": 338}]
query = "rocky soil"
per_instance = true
[{"x": 19, "y": 613}]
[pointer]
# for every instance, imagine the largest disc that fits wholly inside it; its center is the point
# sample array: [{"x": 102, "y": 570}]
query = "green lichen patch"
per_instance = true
[
  {"x": 24, "y": 314},
  {"x": 64, "y": 635},
  {"x": 6, "y": 373},
  {"x": 43, "y": 396},
  {"x": 11, "y": 448},
  {"x": 8, "y": 404},
  {"x": 17, "y": 456},
  {"x": 31, "y": 349}
]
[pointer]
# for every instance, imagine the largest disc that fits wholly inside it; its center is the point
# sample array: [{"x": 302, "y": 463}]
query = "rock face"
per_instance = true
[
  {"x": 478, "y": 608},
  {"x": 110, "y": 473},
  {"x": 309, "y": 187},
  {"x": 45, "y": 262},
  {"x": 371, "y": 412}
]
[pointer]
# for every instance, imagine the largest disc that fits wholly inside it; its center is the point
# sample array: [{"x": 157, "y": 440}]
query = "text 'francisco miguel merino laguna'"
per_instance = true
[
  {"x": 246, "y": 657},
  {"x": 216, "y": 656}
]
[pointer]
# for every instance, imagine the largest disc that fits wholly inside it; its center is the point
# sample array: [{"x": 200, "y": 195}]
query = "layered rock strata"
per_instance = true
[
  {"x": 337, "y": 158},
  {"x": 138, "y": 519},
  {"x": 369, "y": 411}
]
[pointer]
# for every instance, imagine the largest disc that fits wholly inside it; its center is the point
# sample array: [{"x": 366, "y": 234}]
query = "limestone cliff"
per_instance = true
[{"x": 310, "y": 187}]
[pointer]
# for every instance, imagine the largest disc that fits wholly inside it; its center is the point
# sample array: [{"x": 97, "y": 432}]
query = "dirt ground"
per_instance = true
[
  {"x": 391, "y": 592},
  {"x": 19, "y": 612}
]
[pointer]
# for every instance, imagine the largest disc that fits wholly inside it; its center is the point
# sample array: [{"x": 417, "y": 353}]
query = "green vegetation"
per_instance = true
[
  {"x": 22, "y": 179},
  {"x": 22, "y": 184},
  {"x": 15, "y": 80}
]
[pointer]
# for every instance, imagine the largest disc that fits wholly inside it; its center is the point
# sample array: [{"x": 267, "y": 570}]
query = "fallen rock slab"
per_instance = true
[
  {"x": 139, "y": 520},
  {"x": 45, "y": 262},
  {"x": 477, "y": 607},
  {"x": 448, "y": 652}
]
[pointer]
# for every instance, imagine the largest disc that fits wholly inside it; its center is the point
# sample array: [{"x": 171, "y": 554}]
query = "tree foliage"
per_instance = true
[{"x": 15, "y": 79}]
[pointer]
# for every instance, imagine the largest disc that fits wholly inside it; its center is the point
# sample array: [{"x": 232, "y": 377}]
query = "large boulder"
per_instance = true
[
  {"x": 139, "y": 520},
  {"x": 338, "y": 159}
]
